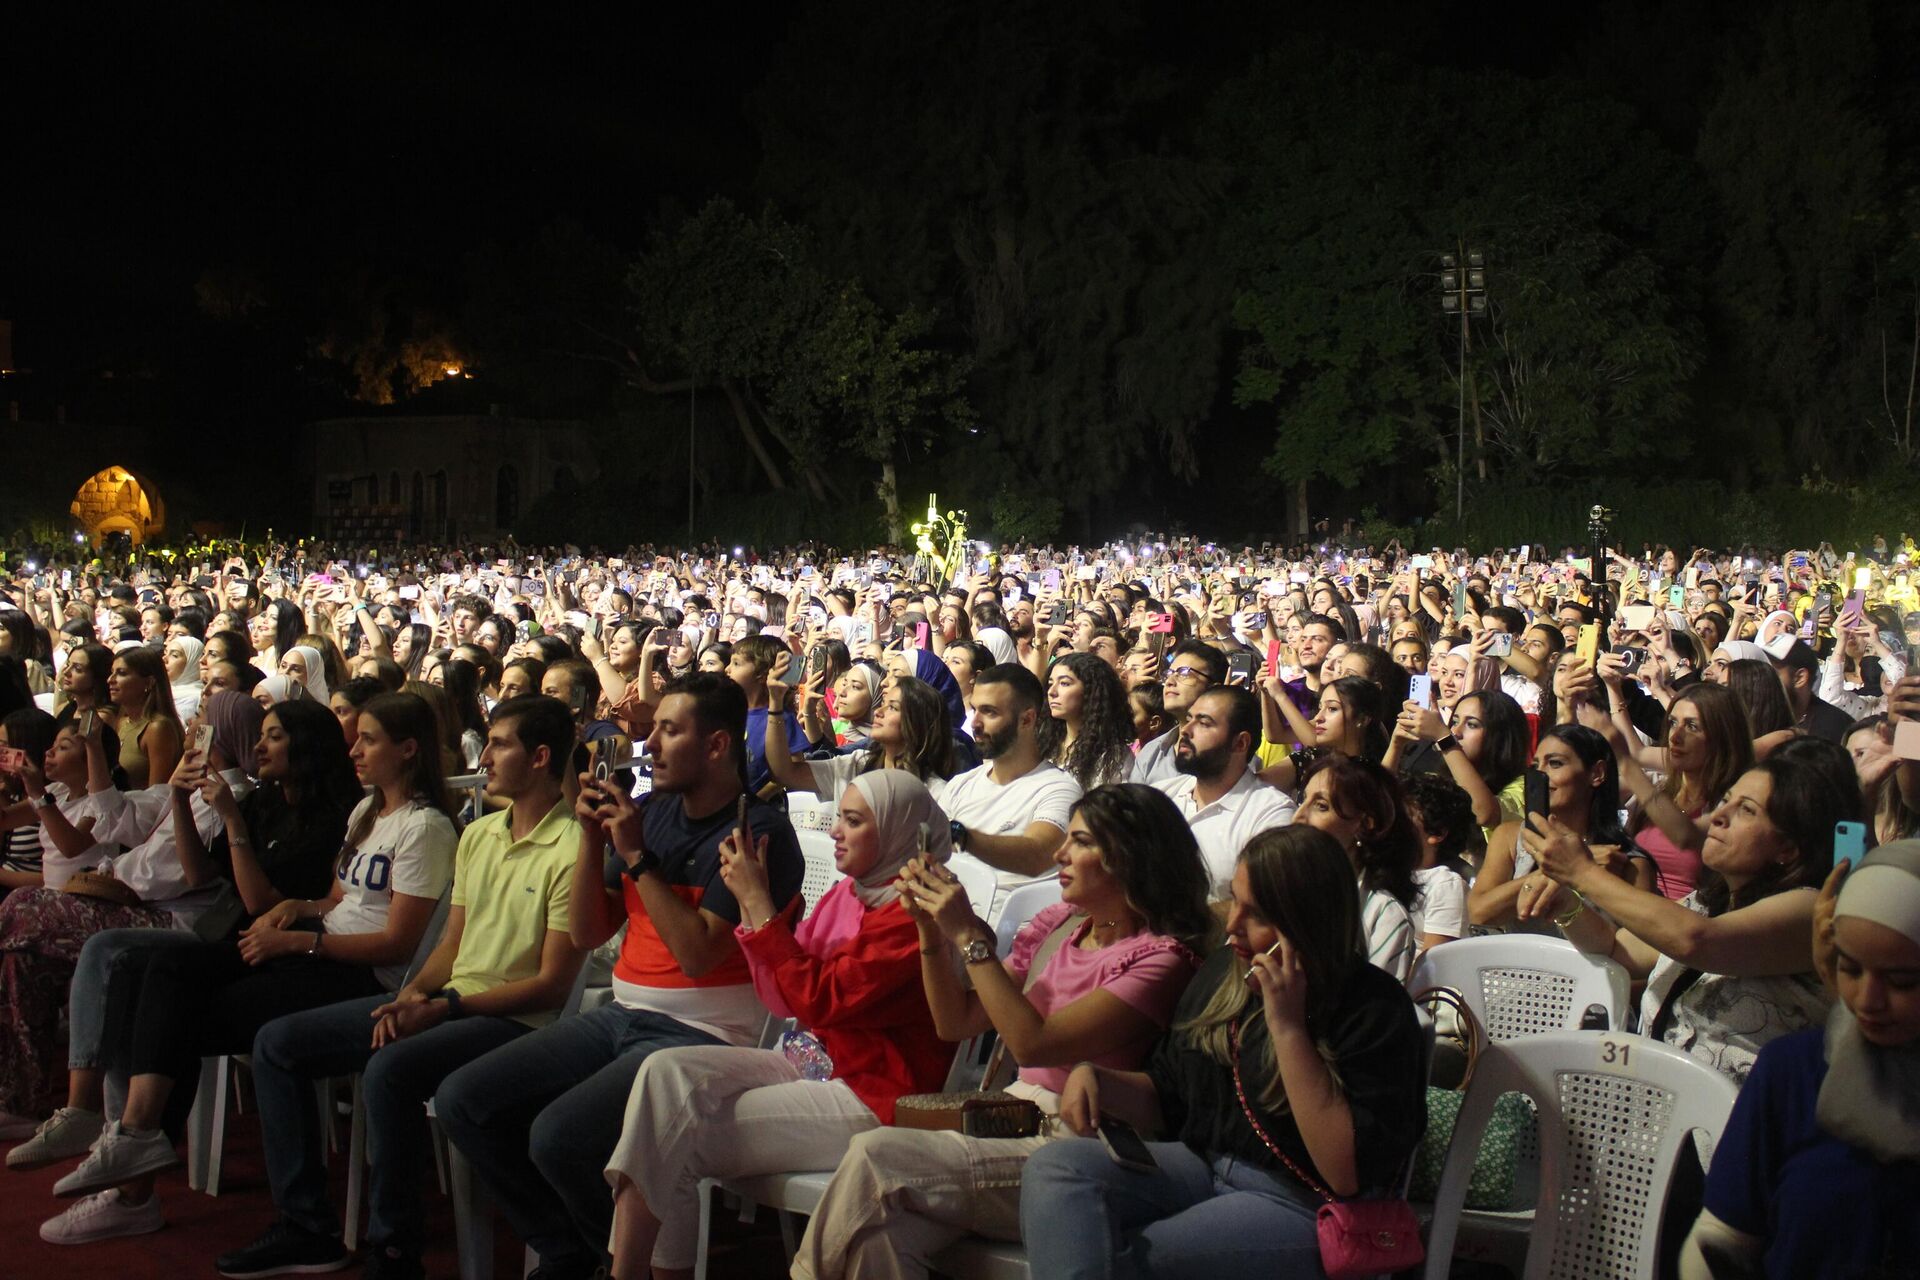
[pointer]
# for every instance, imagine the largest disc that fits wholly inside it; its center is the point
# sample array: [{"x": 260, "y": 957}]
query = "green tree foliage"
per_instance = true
[{"x": 1017, "y": 168}]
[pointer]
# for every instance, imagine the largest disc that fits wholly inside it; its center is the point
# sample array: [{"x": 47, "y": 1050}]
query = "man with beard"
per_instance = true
[
  {"x": 1193, "y": 667},
  {"x": 1010, "y": 812},
  {"x": 1224, "y": 803}
]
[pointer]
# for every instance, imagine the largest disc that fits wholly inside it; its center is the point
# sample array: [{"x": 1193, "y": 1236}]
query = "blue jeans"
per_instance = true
[
  {"x": 291, "y": 1052},
  {"x": 539, "y": 1118},
  {"x": 105, "y": 958},
  {"x": 1196, "y": 1217}
]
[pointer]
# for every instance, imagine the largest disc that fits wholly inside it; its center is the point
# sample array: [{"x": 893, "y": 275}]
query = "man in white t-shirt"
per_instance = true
[
  {"x": 1010, "y": 812},
  {"x": 1225, "y": 803}
]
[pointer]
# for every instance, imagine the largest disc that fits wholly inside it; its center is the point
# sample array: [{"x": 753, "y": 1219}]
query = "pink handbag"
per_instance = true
[{"x": 1358, "y": 1238}]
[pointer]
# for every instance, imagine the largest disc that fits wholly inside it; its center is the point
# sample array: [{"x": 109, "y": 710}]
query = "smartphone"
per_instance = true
[
  {"x": 1906, "y": 740},
  {"x": 203, "y": 739},
  {"x": 1636, "y": 617},
  {"x": 1862, "y": 579},
  {"x": 84, "y": 726},
  {"x": 922, "y": 635},
  {"x": 791, "y": 675},
  {"x": 713, "y": 620},
  {"x": 1420, "y": 691},
  {"x": 743, "y": 834},
  {"x": 1240, "y": 664},
  {"x": 1268, "y": 952},
  {"x": 1257, "y": 620},
  {"x": 1822, "y": 603},
  {"x": 1459, "y": 599},
  {"x": 1849, "y": 841},
  {"x": 1499, "y": 644},
  {"x": 577, "y": 700},
  {"x": 1631, "y": 659},
  {"x": 1589, "y": 646},
  {"x": 1160, "y": 623},
  {"x": 817, "y": 663},
  {"x": 1057, "y": 616},
  {"x": 603, "y": 759},
  {"x": 1125, "y": 1146},
  {"x": 1536, "y": 792},
  {"x": 1050, "y": 580},
  {"x": 12, "y": 760}
]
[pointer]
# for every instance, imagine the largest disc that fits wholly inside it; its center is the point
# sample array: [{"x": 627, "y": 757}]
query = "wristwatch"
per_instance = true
[
  {"x": 46, "y": 801},
  {"x": 979, "y": 951},
  {"x": 1446, "y": 744},
  {"x": 452, "y": 997},
  {"x": 957, "y": 831},
  {"x": 647, "y": 862}
]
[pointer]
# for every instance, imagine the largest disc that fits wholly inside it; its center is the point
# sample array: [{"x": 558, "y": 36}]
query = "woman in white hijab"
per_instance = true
[
  {"x": 849, "y": 974},
  {"x": 303, "y": 664},
  {"x": 182, "y": 656},
  {"x": 1818, "y": 1171},
  {"x": 1730, "y": 652}
]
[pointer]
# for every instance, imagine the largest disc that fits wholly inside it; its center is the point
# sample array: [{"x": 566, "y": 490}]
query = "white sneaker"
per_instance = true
[
  {"x": 103, "y": 1217},
  {"x": 120, "y": 1156},
  {"x": 68, "y": 1132},
  {"x": 13, "y": 1127}
]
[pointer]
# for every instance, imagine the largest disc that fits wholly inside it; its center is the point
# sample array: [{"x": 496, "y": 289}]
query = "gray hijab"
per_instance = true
[{"x": 1871, "y": 1096}]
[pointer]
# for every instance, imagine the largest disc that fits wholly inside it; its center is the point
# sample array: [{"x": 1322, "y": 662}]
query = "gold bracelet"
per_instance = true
[{"x": 1568, "y": 916}]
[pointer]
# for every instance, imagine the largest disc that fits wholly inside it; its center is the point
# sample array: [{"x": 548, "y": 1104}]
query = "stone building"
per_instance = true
[{"x": 439, "y": 479}]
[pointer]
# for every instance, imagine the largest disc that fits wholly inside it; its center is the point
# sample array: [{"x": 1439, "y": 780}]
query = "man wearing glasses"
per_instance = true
[{"x": 1193, "y": 667}]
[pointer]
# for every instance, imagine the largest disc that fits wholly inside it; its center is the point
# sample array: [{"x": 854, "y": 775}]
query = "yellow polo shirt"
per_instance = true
[{"x": 512, "y": 891}]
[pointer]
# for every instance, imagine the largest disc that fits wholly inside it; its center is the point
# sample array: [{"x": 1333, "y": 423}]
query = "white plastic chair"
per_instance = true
[
  {"x": 980, "y": 882},
  {"x": 207, "y": 1122},
  {"x": 1615, "y": 1110},
  {"x": 1020, "y": 906},
  {"x": 821, "y": 875},
  {"x": 1524, "y": 984}
]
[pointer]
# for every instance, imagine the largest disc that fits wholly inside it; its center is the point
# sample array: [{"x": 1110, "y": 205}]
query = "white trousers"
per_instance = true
[{"x": 720, "y": 1112}]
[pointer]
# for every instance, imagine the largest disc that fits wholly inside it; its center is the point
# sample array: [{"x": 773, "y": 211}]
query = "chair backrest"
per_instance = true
[
  {"x": 810, "y": 817},
  {"x": 1022, "y": 905},
  {"x": 979, "y": 880},
  {"x": 1614, "y": 1113},
  {"x": 820, "y": 875},
  {"x": 1524, "y": 984},
  {"x": 430, "y": 937}
]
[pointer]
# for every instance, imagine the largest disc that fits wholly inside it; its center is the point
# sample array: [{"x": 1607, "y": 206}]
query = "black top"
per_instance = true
[
  {"x": 296, "y": 848},
  {"x": 1824, "y": 720},
  {"x": 1376, "y": 1042}
]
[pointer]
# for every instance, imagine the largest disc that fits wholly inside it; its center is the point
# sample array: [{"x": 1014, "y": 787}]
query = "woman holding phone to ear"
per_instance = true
[{"x": 1288, "y": 1049}]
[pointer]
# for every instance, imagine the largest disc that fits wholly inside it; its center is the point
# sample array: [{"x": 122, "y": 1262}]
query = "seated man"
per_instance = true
[
  {"x": 540, "y": 1117},
  {"x": 503, "y": 966}
]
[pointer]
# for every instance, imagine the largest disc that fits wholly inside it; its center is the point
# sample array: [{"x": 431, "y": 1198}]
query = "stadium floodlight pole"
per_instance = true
[{"x": 1463, "y": 291}]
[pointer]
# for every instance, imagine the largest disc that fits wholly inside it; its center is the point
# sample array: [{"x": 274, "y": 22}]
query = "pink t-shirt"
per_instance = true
[
  {"x": 1148, "y": 972},
  {"x": 1679, "y": 868}
]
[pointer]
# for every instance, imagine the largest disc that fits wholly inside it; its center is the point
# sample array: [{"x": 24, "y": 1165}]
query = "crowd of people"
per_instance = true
[{"x": 1264, "y": 781}]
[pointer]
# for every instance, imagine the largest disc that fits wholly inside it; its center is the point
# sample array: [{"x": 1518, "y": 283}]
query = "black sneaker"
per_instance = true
[
  {"x": 286, "y": 1249},
  {"x": 388, "y": 1264}
]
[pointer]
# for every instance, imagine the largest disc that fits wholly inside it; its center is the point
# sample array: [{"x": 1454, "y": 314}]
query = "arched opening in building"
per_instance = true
[{"x": 117, "y": 501}]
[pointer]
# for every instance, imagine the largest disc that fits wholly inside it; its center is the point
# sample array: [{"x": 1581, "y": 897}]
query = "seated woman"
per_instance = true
[
  {"x": 1286, "y": 1044},
  {"x": 82, "y": 685},
  {"x": 371, "y": 897},
  {"x": 150, "y": 734},
  {"x": 1094, "y": 979},
  {"x": 32, "y": 731},
  {"x": 856, "y": 699},
  {"x": 1088, "y": 728},
  {"x": 1818, "y": 1169},
  {"x": 850, "y": 973},
  {"x": 182, "y": 656},
  {"x": 910, "y": 733},
  {"x": 43, "y": 929},
  {"x": 1730, "y": 966},
  {"x": 1483, "y": 749},
  {"x": 1351, "y": 721},
  {"x": 1583, "y": 794},
  {"x": 1360, "y": 805}
]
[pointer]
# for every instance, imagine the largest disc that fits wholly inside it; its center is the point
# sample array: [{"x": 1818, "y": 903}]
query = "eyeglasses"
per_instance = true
[{"x": 1185, "y": 671}]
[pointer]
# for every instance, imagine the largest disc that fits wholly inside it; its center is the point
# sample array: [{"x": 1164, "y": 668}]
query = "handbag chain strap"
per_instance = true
[
  {"x": 1246, "y": 1107},
  {"x": 1469, "y": 1024}
]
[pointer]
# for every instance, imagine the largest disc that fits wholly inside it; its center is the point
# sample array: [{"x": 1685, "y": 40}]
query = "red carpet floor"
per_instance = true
[{"x": 201, "y": 1227}]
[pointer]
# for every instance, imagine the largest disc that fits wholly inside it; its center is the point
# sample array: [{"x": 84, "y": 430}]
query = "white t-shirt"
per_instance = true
[
  {"x": 1045, "y": 793},
  {"x": 835, "y": 775},
  {"x": 1442, "y": 905},
  {"x": 1223, "y": 828},
  {"x": 407, "y": 851},
  {"x": 57, "y": 868}
]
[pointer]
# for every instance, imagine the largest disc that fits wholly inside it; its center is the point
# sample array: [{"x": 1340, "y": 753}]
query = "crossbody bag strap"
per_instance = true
[
  {"x": 1240, "y": 1092},
  {"x": 1048, "y": 946}
]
